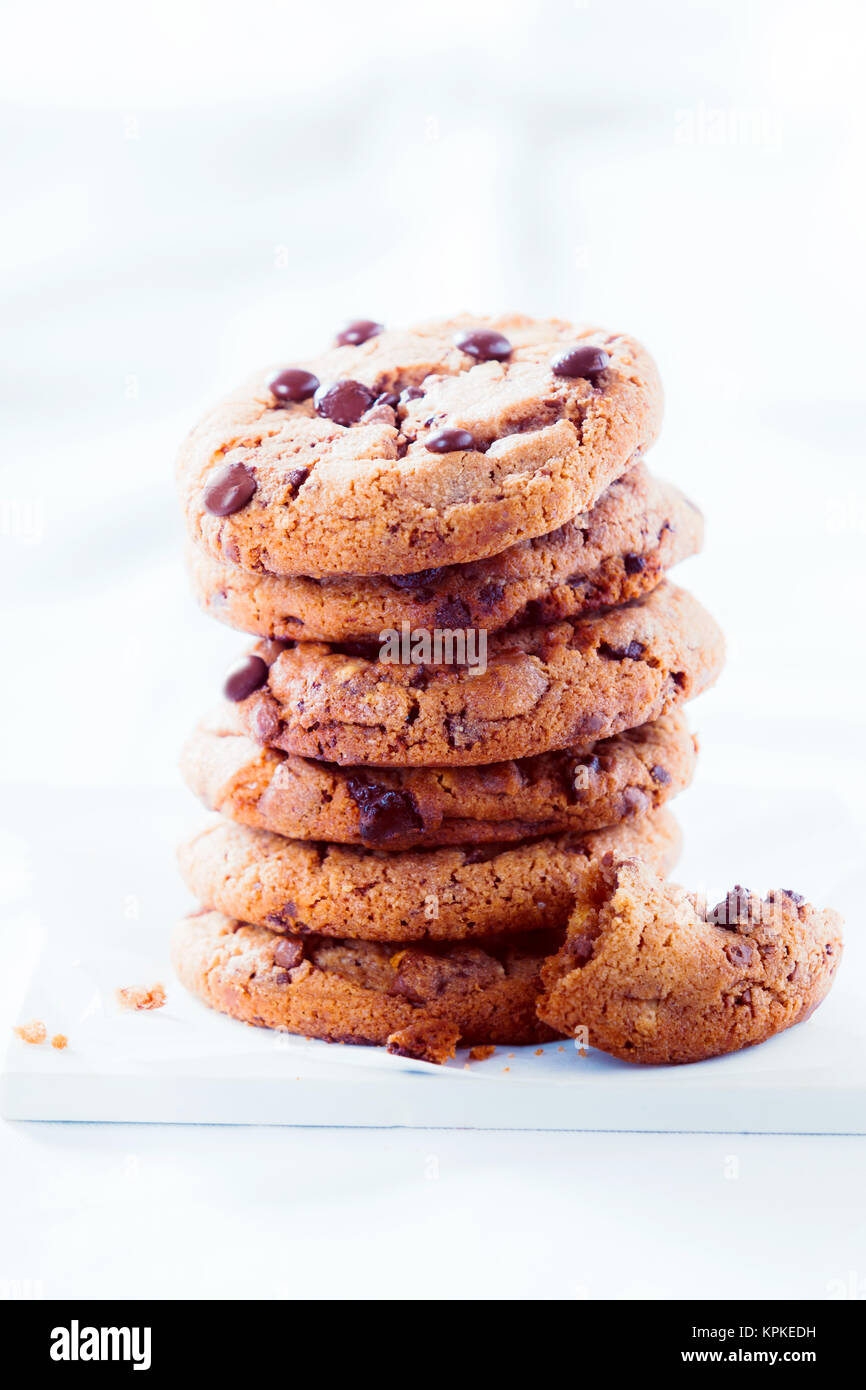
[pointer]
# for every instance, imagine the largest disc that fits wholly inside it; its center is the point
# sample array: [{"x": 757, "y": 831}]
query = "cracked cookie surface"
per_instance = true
[
  {"x": 653, "y": 977},
  {"x": 401, "y": 808},
  {"x": 417, "y": 1002},
  {"x": 544, "y": 688},
  {"x": 617, "y": 551},
  {"x": 375, "y": 895},
  {"x": 490, "y": 452}
]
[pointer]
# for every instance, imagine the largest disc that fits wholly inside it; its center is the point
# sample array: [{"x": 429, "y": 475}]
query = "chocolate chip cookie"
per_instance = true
[
  {"x": 441, "y": 444},
  {"x": 401, "y": 808},
  {"x": 652, "y": 976},
  {"x": 562, "y": 686},
  {"x": 417, "y": 1002},
  {"x": 619, "y": 550},
  {"x": 373, "y": 895}
]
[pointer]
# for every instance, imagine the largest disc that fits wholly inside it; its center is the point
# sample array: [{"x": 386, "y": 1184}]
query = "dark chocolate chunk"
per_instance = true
[
  {"x": 295, "y": 479},
  {"x": 632, "y": 652},
  {"x": 449, "y": 441},
  {"x": 229, "y": 489},
  {"x": 453, "y": 613},
  {"x": 421, "y": 579},
  {"x": 294, "y": 384},
  {"x": 585, "y": 361},
  {"x": 288, "y": 952},
  {"x": 358, "y": 331},
  {"x": 248, "y": 676},
  {"x": 386, "y": 814},
  {"x": 344, "y": 401},
  {"x": 484, "y": 344}
]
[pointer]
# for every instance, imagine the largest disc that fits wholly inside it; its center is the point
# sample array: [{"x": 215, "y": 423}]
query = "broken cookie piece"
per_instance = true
[
  {"x": 430, "y": 1040},
  {"x": 652, "y": 976}
]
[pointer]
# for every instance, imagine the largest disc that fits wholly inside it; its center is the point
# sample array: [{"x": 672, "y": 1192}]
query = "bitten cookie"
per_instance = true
[
  {"x": 653, "y": 977},
  {"x": 445, "y": 894},
  {"x": 619, "y": 550},
  {"x": 440, "y": 444},
  {"x": 543, "y": 688},
  {"x": 418, "y": 1002},
  {"x": 401, "y": 808}
]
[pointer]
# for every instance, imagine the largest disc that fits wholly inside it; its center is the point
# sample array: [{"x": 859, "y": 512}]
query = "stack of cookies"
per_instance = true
[{"x": 467, "y": 681}]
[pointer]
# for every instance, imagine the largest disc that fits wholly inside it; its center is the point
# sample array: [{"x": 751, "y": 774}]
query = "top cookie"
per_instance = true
[{"x": 440, "y": 444}]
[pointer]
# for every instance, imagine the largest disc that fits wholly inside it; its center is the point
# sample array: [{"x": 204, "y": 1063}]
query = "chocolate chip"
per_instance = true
[
  {"x": 294, "y": 384},
  {"x": 421, "y": 579},
  {"x": 344, "y": 401},
  {"x": 266, "y": 721},
  {"x": 634, "y": 563},
  {"x": 229, "y": 489},
  {"x": 533, "y": 613},
  {"x": 453, "y": 613},
  {"x": 795, "y": 897},
  {"x": 632, "y": 652},
  {"x": 386, "y": 814},
  {"x": 635, "y": 801},
  {"x": 387, "y": 398},
  {"x": 733, "y": 908},
  {"x": 288, "y": 953},
  {"x": 295, "y": 479},
  {"x": 660, "y": 774},
  {"x": 284, "y": 917},
  {"x": 484, "y": 344},
  {"x": 739, "y": 952},
  {"x": 579, "y": 947},
  {"x": 460, "y": 733},
  {"x": 249, "y": 675},
  {"x": 358, "y": 331},
  {"x": 449, "y": 441},
  {"x": 491, "y": 594},
  {"x": 410, "y": 393},
  {"x": 585, "y": 361}
]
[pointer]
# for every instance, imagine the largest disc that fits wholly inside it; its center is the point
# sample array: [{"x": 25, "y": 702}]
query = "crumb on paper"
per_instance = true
[
  {"x": 132, "y": 997},
  {"x": 482, "y": 1052},
  {"x": 59, "y": 1041},
  {"x": 539, "y": 1052},
  {"x": 506, "y": 1069},
  {"x": 32, "y": 1032},
  {"x": 560, "y": 1048}
]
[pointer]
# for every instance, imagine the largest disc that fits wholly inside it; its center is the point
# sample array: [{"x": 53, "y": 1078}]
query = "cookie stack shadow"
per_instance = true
[{"x": 418, "y": 759}]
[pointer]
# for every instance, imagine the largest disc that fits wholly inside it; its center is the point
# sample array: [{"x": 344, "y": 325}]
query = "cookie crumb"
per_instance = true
[
  {"x": 539, "y": 1052},
  {"x": 32, "y": 1032},
  {"x": 482, "y": 1052},
  {"x": 59, "y": 1041},
  {"x": 131, "y": 997}
]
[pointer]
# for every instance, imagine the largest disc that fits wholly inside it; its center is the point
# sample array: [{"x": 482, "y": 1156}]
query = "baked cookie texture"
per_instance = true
[
  {"x": 544, "y": 688},
  {"x": 436, "y": 894},
  {"x": 618, "y": 778},
  {"x": 615, "y": 552},
  {"x": 652, "y": 976},
  {"x": 491, "y": 452},
  {"x": 416, "y": 1002}
]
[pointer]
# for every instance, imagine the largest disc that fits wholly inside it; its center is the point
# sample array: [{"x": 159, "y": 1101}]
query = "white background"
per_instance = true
[{"x": 193, "y": 189}]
